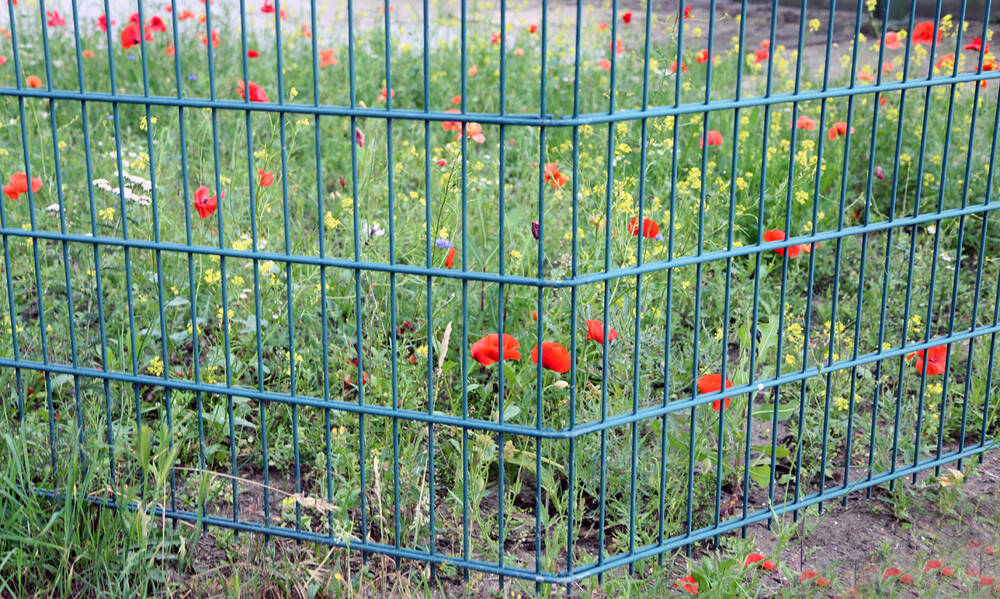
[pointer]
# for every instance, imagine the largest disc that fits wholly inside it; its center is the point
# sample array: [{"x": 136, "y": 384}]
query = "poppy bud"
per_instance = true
[
  {"x": 406, "y": 327},
  {"x": 534, "y": 228},
  {"x": 879, "y": 173}
]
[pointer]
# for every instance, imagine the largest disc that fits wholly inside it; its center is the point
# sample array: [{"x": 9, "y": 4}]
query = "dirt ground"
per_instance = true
[
  {"x": 854, "y": 544},
  {"x": 851, "y": 545}
]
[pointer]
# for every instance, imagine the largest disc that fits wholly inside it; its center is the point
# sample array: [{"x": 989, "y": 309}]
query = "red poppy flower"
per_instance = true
[
  {"x": 55, "y": 19},
  {"x": 595, "y": 331},
  {"x": 923, "y": 33},
  {"x": 134, "y": 18},
  {"x": 252, "y": 54},
  {"x": 892, "y": 41},
  {"x": 157, "y": 24},
  {"x": 256, "y": 92},
  {"x": 532, "y": 29},
  {"x": 268, "y": 8},
  {"x": 605, "y": 64},
  {"x": 778, "y": 235},
  {"x": 712, "y": 383},
  {"x": 761, "y": 55},
  {"x": 814, "y": 576},
  {"x": 326, "y": 58},
  {"x": 265, "y": 178},
  {"x": 932, "y": 564},
  {"x": 18, "y": 184},
  {"x": 215, "y": 38},
  {"x": 702, "y": 57},
  {"x": 934, "y": 360},
  {"x": 649, "y": 227},
  {"x": 947, "y": 571},
  {"x": 687, "y": 584},
  {"x": 553, "y": 176},
  {"x": 627, "y": 17},
  {"x": 169, "y": 50},
  {"x": 756, "y": 558},
  {"x": 673, "y": 67},
  {"x": 85, "y": 53},
  {"x": 496, "y": 39},
  {"x": 946, "y": 61},
  {"x": 714, "y": 139},
  {"x": 619, "y": 47},
  {"x": 839, "y": 128},
  {"x": 486, "y": 351},
  {"x": 473, "y": 131},
  {"x": 452, "y": 125},
  {"x": 450, "y": 258},
  {"x": 473, "y": 70},
  {"x": 602, "y": 26},
  {"x": 890, "y": 572},
  {"x": 204, "y": 204},
  {"x": 986, "y": 581},
  {"x": 806, "y": 123},
  {"x": 977, "y": 45},
  {"x": 102, "y": 23},
  {"x": 866, "y": 76},
  {"x": 130, "y": 35},
  {"x": 33, "y": 81},
  {"x": 687, "y": 12},
  {"x": 185, "y": 15},
  {"x": 554, "y": 357},
  {"x": 382, "y": 96}
]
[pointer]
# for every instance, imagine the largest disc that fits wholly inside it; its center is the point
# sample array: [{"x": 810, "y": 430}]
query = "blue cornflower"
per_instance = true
[{"x": 444, "y": 244}]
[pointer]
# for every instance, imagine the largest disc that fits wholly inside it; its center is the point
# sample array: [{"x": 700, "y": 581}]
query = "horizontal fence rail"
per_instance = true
[{"x": 275, "y": 267}]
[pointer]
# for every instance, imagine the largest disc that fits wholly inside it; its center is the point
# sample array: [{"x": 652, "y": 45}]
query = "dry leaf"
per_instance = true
[
  {"x": 314, "y": 502},
  {"x": 445, "y": 339},
  {"x": 953, "y": 477}
]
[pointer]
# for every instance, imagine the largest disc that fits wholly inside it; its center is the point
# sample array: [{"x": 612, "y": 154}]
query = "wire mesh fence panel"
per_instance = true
[{"x": 277, "y": 267}]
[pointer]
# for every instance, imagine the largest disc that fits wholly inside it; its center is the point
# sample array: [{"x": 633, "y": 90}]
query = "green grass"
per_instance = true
[{"x": 171, "y": 313}]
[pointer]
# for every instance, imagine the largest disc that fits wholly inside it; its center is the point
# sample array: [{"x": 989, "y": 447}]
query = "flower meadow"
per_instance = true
[{"x": 533, "y": 294}]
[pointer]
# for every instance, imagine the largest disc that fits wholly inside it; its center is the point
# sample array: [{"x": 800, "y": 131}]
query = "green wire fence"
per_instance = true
[{"x": 112, "y": 318}]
